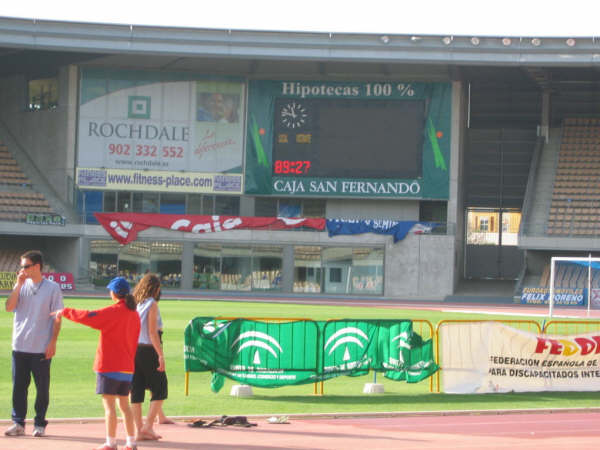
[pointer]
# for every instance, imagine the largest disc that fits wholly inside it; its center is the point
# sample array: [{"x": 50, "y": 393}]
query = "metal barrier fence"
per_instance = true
[
  {"x": 526, "y": 325},
  {"x": 571, "y": 326}
]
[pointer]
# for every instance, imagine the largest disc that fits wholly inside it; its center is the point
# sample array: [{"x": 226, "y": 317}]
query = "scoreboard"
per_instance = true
[{"x": 348, "y": 138}]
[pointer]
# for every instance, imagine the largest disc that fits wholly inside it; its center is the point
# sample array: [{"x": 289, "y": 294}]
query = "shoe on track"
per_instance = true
[
  {"x": 15, "y": 430},
  {"x": 39, "y": 431}
]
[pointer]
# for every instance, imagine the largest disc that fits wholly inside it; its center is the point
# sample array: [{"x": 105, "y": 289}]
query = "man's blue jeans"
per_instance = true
[{"x": 23, "y": 366}]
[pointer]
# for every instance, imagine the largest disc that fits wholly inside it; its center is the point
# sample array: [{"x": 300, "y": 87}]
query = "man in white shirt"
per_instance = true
[{"x": 34, "y": 340}]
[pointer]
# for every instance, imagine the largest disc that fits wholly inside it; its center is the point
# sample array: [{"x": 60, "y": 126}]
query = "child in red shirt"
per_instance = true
[{"x": 119, "y": 326}]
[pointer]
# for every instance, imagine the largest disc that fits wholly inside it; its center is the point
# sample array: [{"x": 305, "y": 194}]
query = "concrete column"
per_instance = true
[
  {"x": 545, "y": 116},
  {"x": 287, "y": 270},
  {"x": 187, "y": 266},
  {"x": 456, "y": 189}
]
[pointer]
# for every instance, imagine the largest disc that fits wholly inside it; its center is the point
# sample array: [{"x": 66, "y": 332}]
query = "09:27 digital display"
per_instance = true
[{"x": 291, "y": 167}]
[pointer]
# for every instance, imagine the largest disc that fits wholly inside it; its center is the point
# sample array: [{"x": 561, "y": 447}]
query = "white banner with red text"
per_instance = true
[
  {"x": 487, "y": 357},
  {"x": 124, "y": 227}
]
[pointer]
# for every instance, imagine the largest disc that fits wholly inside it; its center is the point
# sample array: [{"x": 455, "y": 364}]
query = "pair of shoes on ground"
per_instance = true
[
  {"x": 17, "y": 429},
  {"x": 108, "y": 447}
]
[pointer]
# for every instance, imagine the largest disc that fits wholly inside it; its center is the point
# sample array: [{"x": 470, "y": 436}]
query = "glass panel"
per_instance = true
[
  {"x": 194, "y": 204},
  {"x": 123, "y": 201},
  {"x": 165, "y": 261},
  {"x": 43, "y": 93},
  {"x": 265, "y": 207},
  {"x": 208, "y": 205},
  {"x": 134, "y": 261},
  {"x": 149, "y": 202},
  {"x": 227, "y": 206},
  {"x": 266, "y": 268},
  {"x": 307, "y": 269},
  {"x": 137, "y": 202},
  {"x": 289, "y": 208},
  {"x": 110, "y": 199},
  {"x": 104, "y": 256},
  {"x": 236, "y": 269},
  {"x": 482, "y": 227},
  {"x": 511, "y": 221},
  {"x": 367, "y": 271},
  {"x": 313, "y": 208},
  {"x": 172, "y": 204},
  {"x": 337, "y": 263},
  {"x": 207, "y": 266}
]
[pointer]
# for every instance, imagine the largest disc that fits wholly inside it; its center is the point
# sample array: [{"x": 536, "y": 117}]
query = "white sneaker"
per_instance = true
[
  {"x": 15, "y": 430},
  {"x": 38, "y": 431}
]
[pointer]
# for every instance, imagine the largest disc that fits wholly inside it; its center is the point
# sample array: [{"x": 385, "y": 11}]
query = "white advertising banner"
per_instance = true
[
  {"x": 134, "y": 121},
  {"x": 486, "y": 357}
]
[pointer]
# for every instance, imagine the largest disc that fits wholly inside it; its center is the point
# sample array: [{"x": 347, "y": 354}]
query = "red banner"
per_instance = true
[
  {"x": 124, "y": 227},
  {"x": 65, "y": 280}
]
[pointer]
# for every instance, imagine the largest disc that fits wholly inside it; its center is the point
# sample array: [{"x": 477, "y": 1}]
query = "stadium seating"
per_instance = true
[
  {"x": 17, "y": 196},
  {"x": 575, "y": 207}
]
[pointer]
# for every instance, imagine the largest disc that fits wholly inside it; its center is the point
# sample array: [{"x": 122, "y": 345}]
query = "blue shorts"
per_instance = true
[{"x": 110, "y": 386}]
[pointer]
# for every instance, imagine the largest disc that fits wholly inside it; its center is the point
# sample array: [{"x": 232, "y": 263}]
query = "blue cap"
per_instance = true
[{"x": 119, "y": 286}]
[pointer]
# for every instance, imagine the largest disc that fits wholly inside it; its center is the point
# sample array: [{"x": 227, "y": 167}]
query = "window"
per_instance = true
[
  {"x": 172, "y": 203},
  {"x": 236, "y": 269},
  {"x": 145, "y": 202},
  {"x": 42, "y": 94},
  {"x": 335, "y": 275},
  {"x": 207, "y": 266},
  {"x": 483, "y": 224},
  {"x": 227, "y": 206},
  {"x": 265, "y": 207},
  {"x": 274, "y": 207},
  {"x": 266, "y": 267},
  {"x": 307, "y": 269}
]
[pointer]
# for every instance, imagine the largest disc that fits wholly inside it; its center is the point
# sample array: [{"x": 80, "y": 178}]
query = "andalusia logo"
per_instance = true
[
  {"x": 257, "y": 340},
  {"x": 402, "y": 339},
  {"x": 344, "y": 337}
]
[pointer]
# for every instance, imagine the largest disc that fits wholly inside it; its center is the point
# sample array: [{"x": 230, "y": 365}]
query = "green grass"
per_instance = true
[{"x": 73, "y": 381}]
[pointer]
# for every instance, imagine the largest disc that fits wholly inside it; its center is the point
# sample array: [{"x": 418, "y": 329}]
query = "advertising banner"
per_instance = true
[
  {"x": 562, "y": 297},
  {"x": 274, "y": 354},
  {"x": 124, "y": 227},
  {"x": 64, "y": 280},
  {"x": 348, "y": 139},
  {"x": 399, "y": 229},
  {"x": 154, "y": 180},
  {"x": 486, "y": 357},
  {"x": 134, "y": 121}
]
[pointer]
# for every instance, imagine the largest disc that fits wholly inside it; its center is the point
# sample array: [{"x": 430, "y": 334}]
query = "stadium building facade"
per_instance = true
[{"x": 452, "y": 139}]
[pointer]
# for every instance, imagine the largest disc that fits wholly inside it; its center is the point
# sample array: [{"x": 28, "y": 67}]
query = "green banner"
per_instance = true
[
  {"x": 274, "y": 354},
  {"x": 386, "y": 139}
]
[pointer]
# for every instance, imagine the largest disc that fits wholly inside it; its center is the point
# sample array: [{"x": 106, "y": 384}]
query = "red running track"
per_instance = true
[{"x": 515, "y": 431}]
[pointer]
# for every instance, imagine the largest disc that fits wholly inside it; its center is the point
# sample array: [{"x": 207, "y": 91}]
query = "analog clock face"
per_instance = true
[{"x": 293, "y": 115}]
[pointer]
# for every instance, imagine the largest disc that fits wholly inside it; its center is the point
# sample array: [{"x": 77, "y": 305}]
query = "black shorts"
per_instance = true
[
  {"x": 147, "y": 377},
  {"x": 110, "y": 386}
]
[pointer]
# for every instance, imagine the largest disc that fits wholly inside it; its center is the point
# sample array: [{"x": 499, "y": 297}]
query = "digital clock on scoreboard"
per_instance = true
[{"x": 348, "y": 138}]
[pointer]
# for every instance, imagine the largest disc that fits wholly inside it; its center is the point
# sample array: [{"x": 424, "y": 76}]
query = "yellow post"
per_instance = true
[{"x": 187, "y": 383}]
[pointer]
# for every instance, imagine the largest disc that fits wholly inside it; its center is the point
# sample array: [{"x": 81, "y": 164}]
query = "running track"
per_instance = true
[{"x": 515, "y": 431}]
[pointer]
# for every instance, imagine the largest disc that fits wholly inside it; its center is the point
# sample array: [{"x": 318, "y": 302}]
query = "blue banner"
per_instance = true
[
  {"x": 562, "y": 296},
  {"x": 399, "y": 229}
]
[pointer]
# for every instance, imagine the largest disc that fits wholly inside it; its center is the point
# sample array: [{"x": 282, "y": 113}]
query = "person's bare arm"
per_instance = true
[
  {"x": 154, "y": 338},
  {"x": 51, "y": 349}
]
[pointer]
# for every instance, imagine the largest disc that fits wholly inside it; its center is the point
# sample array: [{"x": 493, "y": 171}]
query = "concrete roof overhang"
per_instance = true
[{"x": 28, "y": 42}]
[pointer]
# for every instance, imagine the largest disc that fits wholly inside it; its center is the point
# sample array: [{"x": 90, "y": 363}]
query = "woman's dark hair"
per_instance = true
[
  {"x": 148, "y": 286},
  {"x": 128, "y": 299}
]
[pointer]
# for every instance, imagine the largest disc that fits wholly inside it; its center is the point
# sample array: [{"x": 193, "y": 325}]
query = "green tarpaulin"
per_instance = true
[{"x": 274, "y": 354}]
